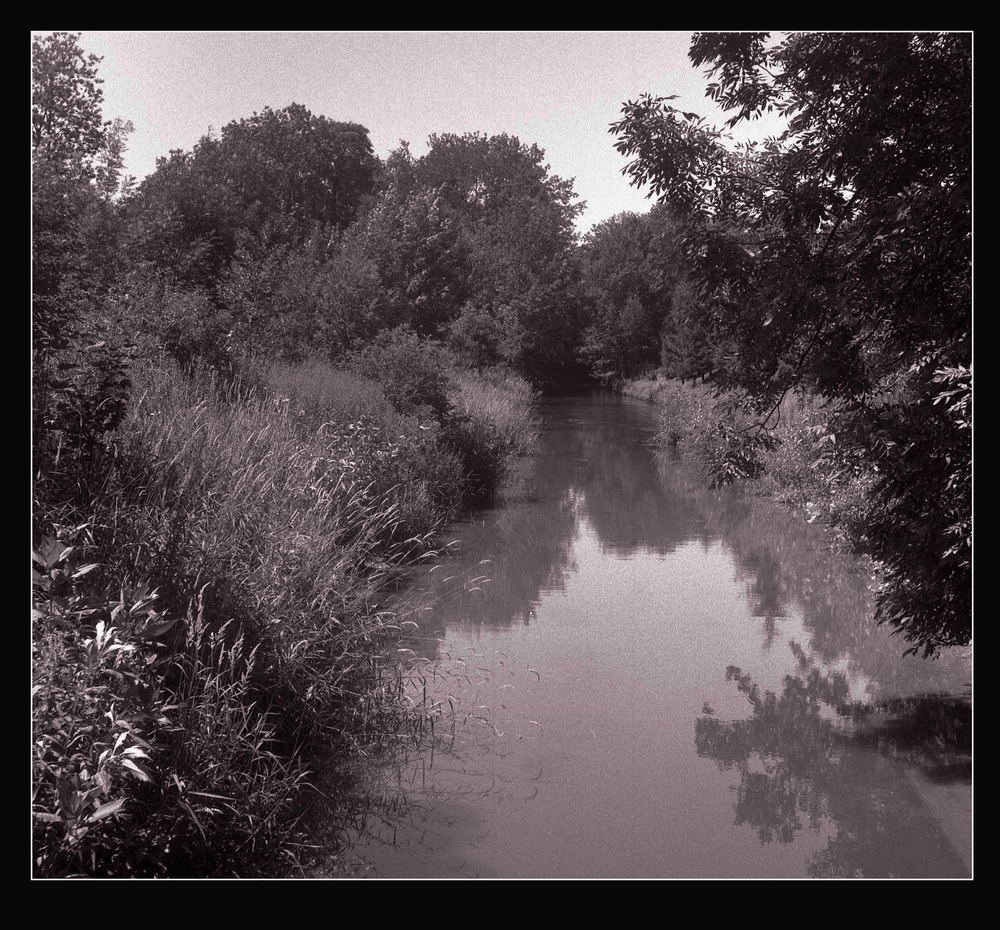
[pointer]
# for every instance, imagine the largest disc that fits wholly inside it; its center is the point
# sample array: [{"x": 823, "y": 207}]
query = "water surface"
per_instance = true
[{"x": 647, "y": 678}]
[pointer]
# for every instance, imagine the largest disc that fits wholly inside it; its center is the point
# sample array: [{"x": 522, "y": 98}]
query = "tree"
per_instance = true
[
  {"x": 111, "y": 182},
  {"x": 293, "y": 163},
  {"x": 630, "y": 267},
  {"x": 415, "y": 240},
  {"x": 474, "y": 243},
  {"x": 69, "y": 228},
  {"x": 517, "y": 221},
  {"x": 66, "y": 99},
  {"x": 66, "y": 134},
  {"x": 837, "y": 257},
  {"x": 686, "y": 349},
  {"x": 79, "y": 380},
  {"x": 276, "y": 176}
]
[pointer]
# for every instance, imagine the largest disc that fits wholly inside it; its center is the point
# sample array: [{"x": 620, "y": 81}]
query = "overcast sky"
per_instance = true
[{"x": 557, "y": 89}]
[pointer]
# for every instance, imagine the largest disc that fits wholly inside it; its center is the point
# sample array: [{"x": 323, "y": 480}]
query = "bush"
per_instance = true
[{"x": 413, "y": 372}]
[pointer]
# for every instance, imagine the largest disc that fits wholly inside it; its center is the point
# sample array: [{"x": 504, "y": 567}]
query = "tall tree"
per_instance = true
[
  {"x": 474, "y": 242},
  {"x": 66, "y": 97},
  {"x": 67, "y": 133},
  {"x": 78, "y": 374},
  {"x": 837, "y": 257},
  {"x": 517, "y": 219}
]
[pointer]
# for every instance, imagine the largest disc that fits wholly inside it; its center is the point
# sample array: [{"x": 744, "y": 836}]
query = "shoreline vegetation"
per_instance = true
[
  {"x": 800, "y": 466},
  {"x": 207, "y": 630}
]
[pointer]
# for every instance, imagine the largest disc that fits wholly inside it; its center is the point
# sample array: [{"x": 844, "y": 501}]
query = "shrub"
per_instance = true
[{"x": 413, "y": 372}]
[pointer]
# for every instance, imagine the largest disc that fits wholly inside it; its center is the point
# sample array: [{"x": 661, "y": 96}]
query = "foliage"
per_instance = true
[
  {"x": 275, "y": 177},
  {"x": 129, "y": 737},
  {"x": 79, "y": 378},
  {"x": 292, "y": 163},
  {"x": 837, "y": 257},
  {"x": 412, "y": 372},
  {"x": 66, "y": 123},
  {"x": 686, "y": 349},
  {"x": 416, "y": 244},
  {"x": 477, "y": 337},
  {"x": 473, "y": 241},
  {"x": 491, "y": 425},
  {"x": 630, "y": 267},
  {"x": 217, "y": 634},
  {"x": 67, "y": 135}
]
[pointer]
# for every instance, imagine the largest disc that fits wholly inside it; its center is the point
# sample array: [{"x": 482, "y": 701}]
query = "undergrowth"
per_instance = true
[{"x": 208, "y": 648}]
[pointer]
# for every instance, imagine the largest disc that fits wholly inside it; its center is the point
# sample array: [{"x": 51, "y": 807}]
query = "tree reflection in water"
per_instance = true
[
  {"x": 857, "y": 779},
  {"x": 810, "y": 758}
]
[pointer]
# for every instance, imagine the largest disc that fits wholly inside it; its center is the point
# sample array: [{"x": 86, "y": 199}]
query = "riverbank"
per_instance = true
[
  {"x": 206, "y": 579},
  {"x": 801, "y": 465}
]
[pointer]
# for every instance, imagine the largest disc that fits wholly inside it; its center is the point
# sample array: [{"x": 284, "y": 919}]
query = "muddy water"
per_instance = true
[{"x": 643, "y": 677}]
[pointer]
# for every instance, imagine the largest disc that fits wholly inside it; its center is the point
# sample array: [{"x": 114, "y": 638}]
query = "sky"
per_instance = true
[{"x": 560, "y": 90}]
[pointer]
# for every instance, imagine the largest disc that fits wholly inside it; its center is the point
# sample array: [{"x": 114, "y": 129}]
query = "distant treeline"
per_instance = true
[{"x": 284, "y": 235}]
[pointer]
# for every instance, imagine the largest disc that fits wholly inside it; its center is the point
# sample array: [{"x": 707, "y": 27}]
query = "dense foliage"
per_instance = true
[
  {"x": 641, "y": 309},
  {"x": 837, "y": 257},
  {"x": 215, "y": 515},
  {"x": 474, "y": 243}
]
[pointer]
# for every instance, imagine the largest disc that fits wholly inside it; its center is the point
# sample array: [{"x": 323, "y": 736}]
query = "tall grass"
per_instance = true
[
  {"x": 492, "y": 425},
  {"x": 205, "y": 629}
]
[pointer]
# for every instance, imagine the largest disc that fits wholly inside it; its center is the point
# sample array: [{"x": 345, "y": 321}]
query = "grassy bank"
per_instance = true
[
  {"x": 800, "y": 464},
  {"x": 206, "y": 581}
]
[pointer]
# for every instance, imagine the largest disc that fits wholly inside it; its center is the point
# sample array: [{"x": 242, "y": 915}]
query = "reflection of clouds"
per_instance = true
[{"x": 801, "y": 767}]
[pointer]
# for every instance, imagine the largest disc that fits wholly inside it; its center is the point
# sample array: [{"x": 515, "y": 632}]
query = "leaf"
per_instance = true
[
  {"x": 155, "y": 629},
  {"x": 107, "y": 810},
  {"x": 138, "y": 772}
]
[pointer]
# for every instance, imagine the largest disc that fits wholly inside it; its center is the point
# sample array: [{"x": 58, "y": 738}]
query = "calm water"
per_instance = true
[{"x": 653, "y": 679}]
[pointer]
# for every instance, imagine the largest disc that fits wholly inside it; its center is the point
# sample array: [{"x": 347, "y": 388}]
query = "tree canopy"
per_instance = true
[
  {"x": 837, "y": 256},
  {"x": 474, "y": 242}
]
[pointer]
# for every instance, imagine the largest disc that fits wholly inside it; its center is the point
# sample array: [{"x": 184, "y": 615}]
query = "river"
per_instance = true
[{"x": 646, "y": 678}]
